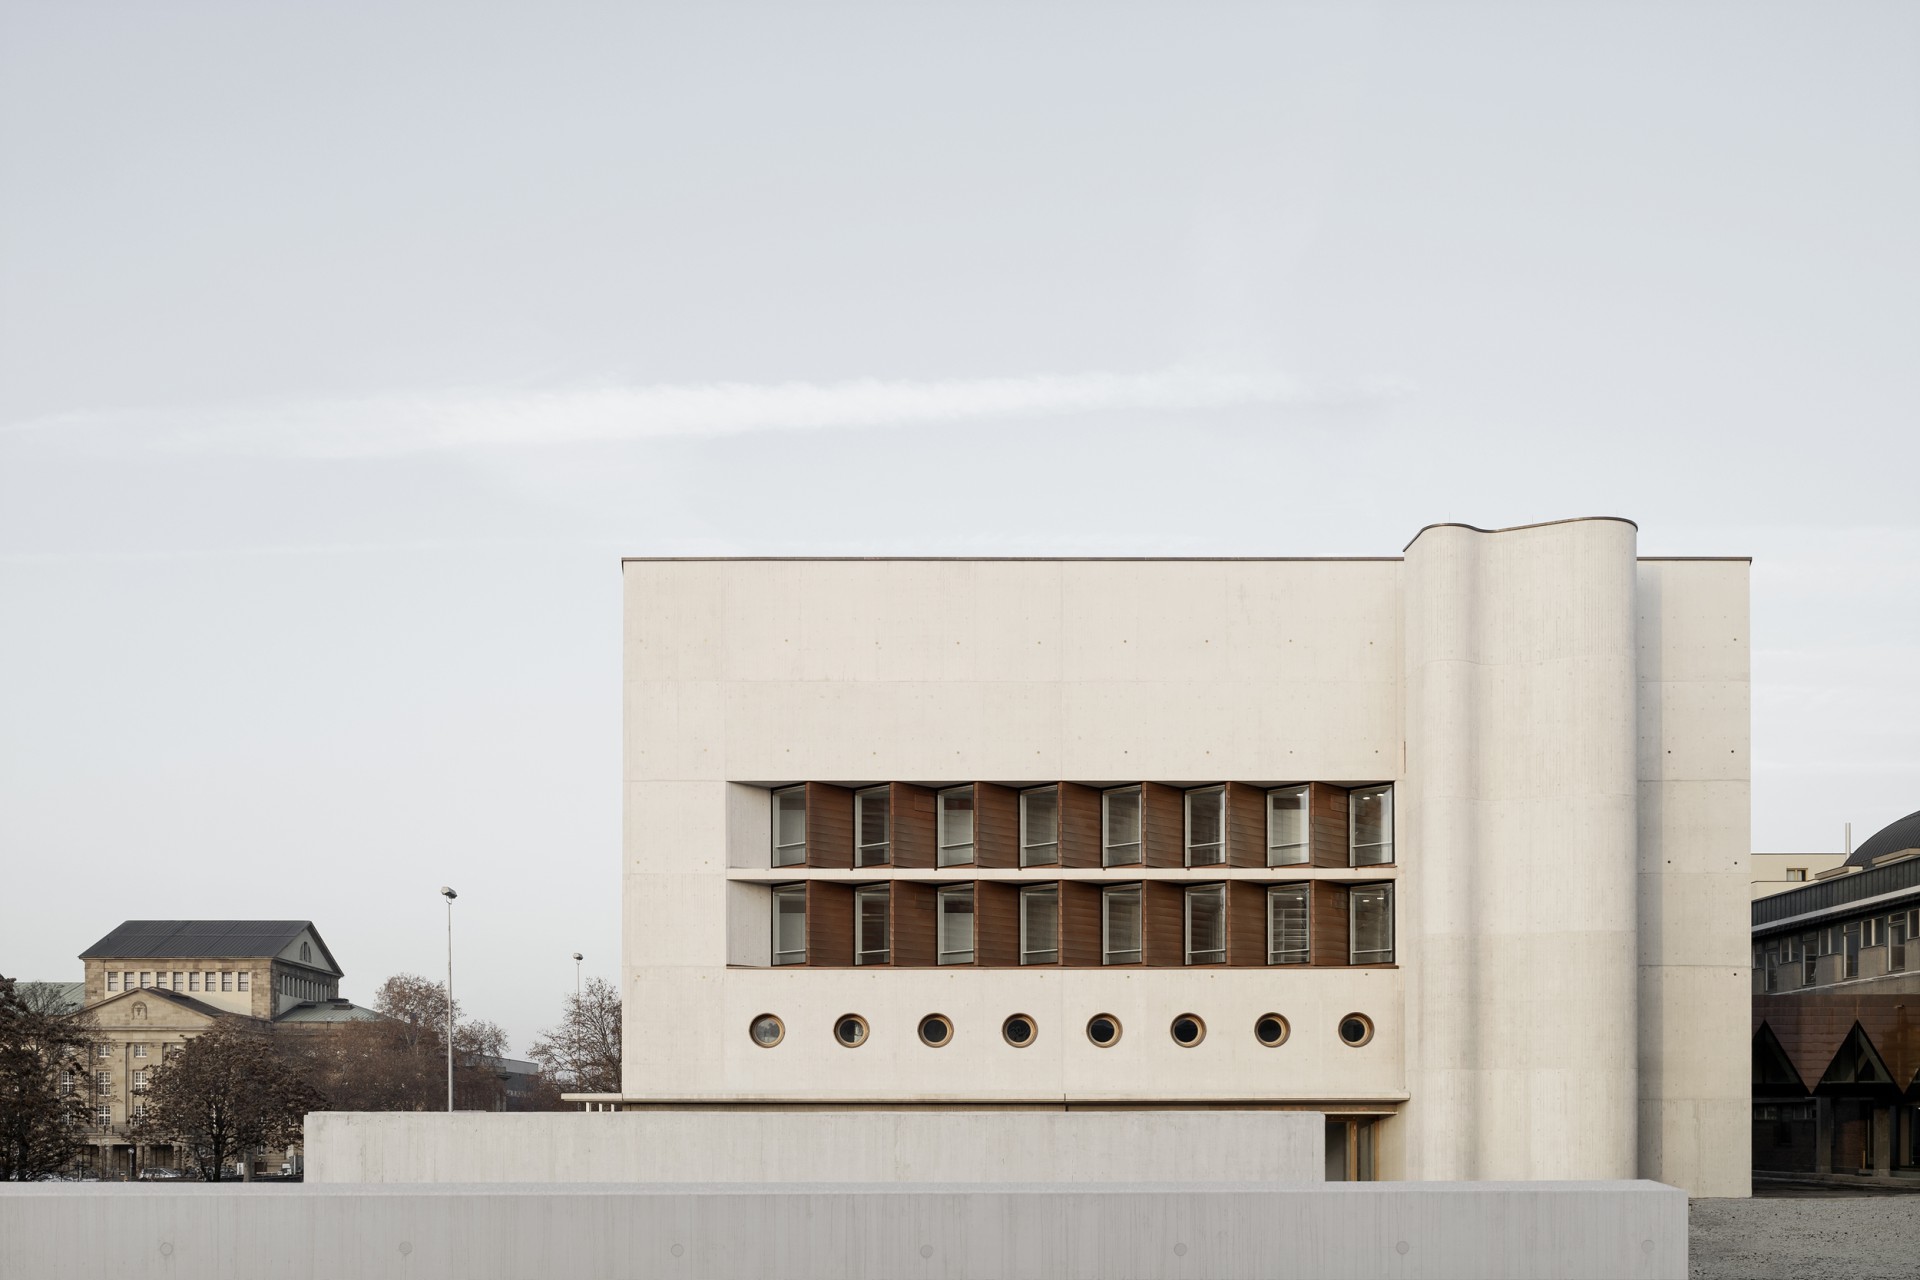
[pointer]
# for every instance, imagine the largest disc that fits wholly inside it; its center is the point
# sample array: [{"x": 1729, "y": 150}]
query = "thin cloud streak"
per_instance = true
[{"x": 395, "y": 425}]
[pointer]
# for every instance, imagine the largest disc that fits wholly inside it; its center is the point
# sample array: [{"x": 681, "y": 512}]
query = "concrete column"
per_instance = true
[
  {"x": 1883, "y": 1130},
  {"x": 1519, "y": 886},
  {"x": 1823, "y": 1135}
]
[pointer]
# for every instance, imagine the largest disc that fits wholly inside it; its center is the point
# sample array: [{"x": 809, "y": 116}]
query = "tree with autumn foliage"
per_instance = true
[
  {"x": 45, "y": 1083},
  {"x": 226, "y": 1092}
]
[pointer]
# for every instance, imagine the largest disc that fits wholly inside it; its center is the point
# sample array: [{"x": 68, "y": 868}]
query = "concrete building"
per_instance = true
[
  {"x": 1779, "y": 872},
  {"x": 1836, "y": 1048},
  {"x": 1449, "y": 847},
  {"x": 153, "y": 985}
]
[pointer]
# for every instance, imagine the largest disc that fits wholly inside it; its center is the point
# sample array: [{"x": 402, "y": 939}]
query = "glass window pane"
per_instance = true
[
  {"x": 1370, "y": 822},
  {"x": 870, "y": 927},
  {"x": 1120, "y": 925},
  {"x": 1287, "y": 827},
  {"x": 1207, "y": 827},
  {"x": 1287, "y": 924},
  {"x": 1040, "y": 827},
  {"x": 1040, "y": 925},
  {"x": 870, "y": 827},
  {"x": 955, "y": 822},
  {"x": 1121, "y": 827},
  {"x": 1207, "y": 924},
  {"x": 790, "y": 926},
  {"x": 1372, "y": 921},
  {"x": 789, "y": 827},
  {"x": 956, "y": 926}
]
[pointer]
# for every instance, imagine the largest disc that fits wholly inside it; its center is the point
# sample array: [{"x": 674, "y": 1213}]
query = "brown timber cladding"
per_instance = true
[
  {"x": 829, "y": 924},
  {"x": 1327, "y": 825},
  {"x": 1079, "y": 826},
  {"x": 1163, "y": 940},
  {"x": 996, "y": 924},
  {"x": 911, "y": 810},
  {"x": 1812, "y": 1026},
  {"x": 1246, "y": 924},
  {"x": 996, "y": 826},
  {"x": 911, "y": 921},
  {"x": 829, "y": 826},
  {"x": 1327, "y": 923},
  {"x": 1246, "y": 825},
  {"x": 1080, "y": 922},
  {"x": 1163, "y": 837}
]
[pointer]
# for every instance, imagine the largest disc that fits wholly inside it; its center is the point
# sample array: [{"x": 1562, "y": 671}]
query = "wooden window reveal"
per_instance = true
[
  {"x": 1080, "y": 918},
  {"x": 996, "y": 924},
  {"x": 1327, "y": 826},
  {"x": 829, "y": 925},
  {"x": 996, "y": 826},
  {"x": 1163, "y": 823},
  {"x": 911, "y": 809},
  {"x": 829, "y": 826},
  {"x": 1327, "y": 923},
  {"x": 1079, "y": 826}
]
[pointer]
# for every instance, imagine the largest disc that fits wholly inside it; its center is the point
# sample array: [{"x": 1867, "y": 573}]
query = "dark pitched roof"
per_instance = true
[
  {"x": 1903, "y": 833},
  {"x": 205, "y": 939}
]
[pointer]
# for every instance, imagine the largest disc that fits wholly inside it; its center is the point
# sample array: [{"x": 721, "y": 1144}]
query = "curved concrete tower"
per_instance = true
[{"x": 1520, "y": 908}]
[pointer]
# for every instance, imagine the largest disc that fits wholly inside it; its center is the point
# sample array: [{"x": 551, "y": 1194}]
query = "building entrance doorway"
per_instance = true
[{"x": 1350, "y": 1148}]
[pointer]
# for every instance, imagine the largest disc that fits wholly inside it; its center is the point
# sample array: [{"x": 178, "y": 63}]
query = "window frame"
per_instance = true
[
  {"x": 940, "y": 843},
  {"x": 1138, "y": 843},
  {"x": 1353, "y": 825},
  {"x": 1305, "y": 843},
  {"x": 941, "y": 953},
  {"x": 1027, "y": 894},
  {"x": 1187, "y": 898},
  {"x": 861, "y": 952},
  {"x": 1108, "y": 894},
  {"x": 778, "y": 794},
  {"x": 784, "y": 893},
  {"x": 1383, "y": 888},
  {"x": 885, "y": 844},
  {"x": 1025, "y": 843},
  {"x": 1305, "y": 952},
  {"x": 1218, "y": 846}
]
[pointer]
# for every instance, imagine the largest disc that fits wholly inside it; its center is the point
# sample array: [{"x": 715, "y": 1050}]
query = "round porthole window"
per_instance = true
[
  {"x": 1356, "y": 1029},
  {"x": 1104, "y": 1030},
  {"x": 850, "y": 1030},
  {"x": 1188, "y": 1030},
  {"x": 935, "y": 1030},
  {"x": 1270, "y": 1029},
  {"x": 767, "y": 1031},
  {"x": 1019, "y": 1030}
]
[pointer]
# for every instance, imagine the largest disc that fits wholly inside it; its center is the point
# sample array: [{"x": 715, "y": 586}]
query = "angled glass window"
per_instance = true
[
  {"x": 1370, "y": 826},
  {"x": 871, "y": 846},
  {"x": 790, "y": 827},
  {"x": 1287, "y": 924},
  {"x": 1371, "y": 924},
  {"x": 955, "y": 823},
  {"x": 1120, "y": 827},
  {"x": 1207, "y": 924},
  {"x": 1207, "y": 827},
  {"x": 1040, "y": 827},
  {"x": 1120, "y": 924},
  {"x": 870, "y": 925},
  {"x": 955, "y": 929},
  {"x": 1287, "y": 827},
  {"x": 1040, "y": 924},
  {"x": 790, "y": 925}
]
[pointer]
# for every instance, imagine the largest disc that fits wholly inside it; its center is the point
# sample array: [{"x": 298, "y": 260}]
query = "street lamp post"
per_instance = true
[
  {"x": 449, "y": 895},
  {"x": 577, "y": 958}
]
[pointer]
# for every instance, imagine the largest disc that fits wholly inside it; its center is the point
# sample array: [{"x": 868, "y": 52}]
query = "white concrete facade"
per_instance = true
[
  {"x": 1414, "y": 1231},
  {"x": 1565, "y": 727}
]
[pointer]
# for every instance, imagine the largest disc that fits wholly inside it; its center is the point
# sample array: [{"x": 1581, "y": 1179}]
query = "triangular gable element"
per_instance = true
[
  {"x": 1857, "y": 1063},
  {"x": 1810, "y": 1031},
  {"x": 1773, "y": 1073},
  {"x": 306, "y": 948}
]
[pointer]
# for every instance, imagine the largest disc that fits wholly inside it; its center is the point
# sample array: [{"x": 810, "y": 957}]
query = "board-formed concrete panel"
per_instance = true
[{"x": 1344, "y": 1231}]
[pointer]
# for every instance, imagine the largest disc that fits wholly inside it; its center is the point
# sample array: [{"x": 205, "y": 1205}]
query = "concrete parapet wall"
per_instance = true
[
  {"x": 1539, "y": 1231},
  {"x": 743, "y": 1145}
]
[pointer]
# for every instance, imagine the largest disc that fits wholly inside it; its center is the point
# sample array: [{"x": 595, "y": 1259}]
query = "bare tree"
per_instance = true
[
  {"x": 398, "y": 1061},
  {"x": 45, "y": 1083},
  {"x": 582, "y": 1054},
  {"x": 224, "y": 1093}
]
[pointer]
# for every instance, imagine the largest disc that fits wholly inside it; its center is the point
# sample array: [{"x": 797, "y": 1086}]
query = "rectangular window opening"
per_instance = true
[
  {"x": 1207, "y": 924},
  {"x": 1287, "y": 827},
  {"x": 1040, "y": 827},
  {"x": 1370, "y": 826},
  {"x": 871, "y": 847},
  {"x": 1120, "y": 827},
  {"x": 1207, "y": 827},
  {"x": 954, "y": 821},
  {"x": 790, "y": 925},
  {"x": 790, "y": 827},
  {"x": 870, "y": 925},
  {"x": 1120, "y": 924},
  {"x": 1040, "y": 924},
  {"x": 955, "y": 930},
  {"x": 1287, "y": 924},
  {"x": 1371, "y": 924}
]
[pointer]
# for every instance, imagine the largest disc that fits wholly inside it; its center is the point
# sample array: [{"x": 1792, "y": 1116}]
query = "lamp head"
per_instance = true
[
  {"x": 448, "y": 893},
  {"x": 578, "y": 956}
]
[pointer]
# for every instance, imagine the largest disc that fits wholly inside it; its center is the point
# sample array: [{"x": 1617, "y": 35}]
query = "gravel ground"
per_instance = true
[{"x": 1834, "y": 1238}]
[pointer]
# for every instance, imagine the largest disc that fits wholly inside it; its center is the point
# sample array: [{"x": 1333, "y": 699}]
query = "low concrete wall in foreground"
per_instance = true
[
  {"x": 1412, "y": 1230},
  {"x": 740, "y": 1145}
]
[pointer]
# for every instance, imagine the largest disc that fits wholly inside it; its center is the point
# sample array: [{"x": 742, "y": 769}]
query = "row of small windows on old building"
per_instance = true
[
  {"x": 1020, "y": 1030},
  {"x": 1881, "y": 943},
  {"x": 1231, "y": 923},
  {"x": 1072, "y": 824},
  {"x": 178, "y": 980}
]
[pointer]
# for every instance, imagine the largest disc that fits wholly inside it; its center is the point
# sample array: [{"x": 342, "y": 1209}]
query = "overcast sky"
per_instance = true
[{"x": 344, "y": 348}]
